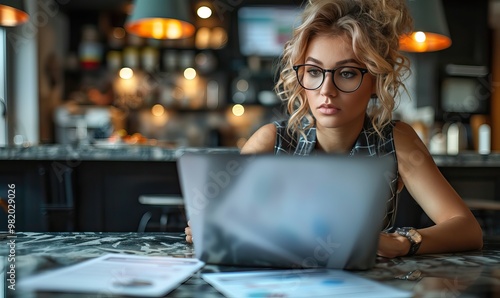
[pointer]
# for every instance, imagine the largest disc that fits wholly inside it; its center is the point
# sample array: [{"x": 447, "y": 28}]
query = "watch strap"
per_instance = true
[{"x": 407, "y": 233}]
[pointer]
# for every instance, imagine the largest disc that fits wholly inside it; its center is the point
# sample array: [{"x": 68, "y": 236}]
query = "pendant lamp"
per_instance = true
[
  {"x": 12, "y": 13},
  {"x": 430, "y": 32},
  {"x": 161, "y": 19}
]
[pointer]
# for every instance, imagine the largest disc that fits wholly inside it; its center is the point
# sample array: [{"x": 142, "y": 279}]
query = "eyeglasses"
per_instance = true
[{"x": 346, "y": 78}]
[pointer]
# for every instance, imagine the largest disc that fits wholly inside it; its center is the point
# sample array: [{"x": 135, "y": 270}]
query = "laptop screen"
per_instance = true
[{"x": 286, "y": 211}]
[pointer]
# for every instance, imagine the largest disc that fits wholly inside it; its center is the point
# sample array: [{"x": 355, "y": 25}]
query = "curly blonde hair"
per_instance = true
[{"x": 374, "y": 28}]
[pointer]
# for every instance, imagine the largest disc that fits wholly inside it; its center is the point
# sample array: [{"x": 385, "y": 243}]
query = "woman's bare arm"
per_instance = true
[
  {"x": 262, "y": 141},
  {"x": 456, "y": 228}
]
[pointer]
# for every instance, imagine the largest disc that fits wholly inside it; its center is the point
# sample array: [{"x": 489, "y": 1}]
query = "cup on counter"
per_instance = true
[
  {"x": 437, "y": 143},
  {"x": 481, "y": 133}
]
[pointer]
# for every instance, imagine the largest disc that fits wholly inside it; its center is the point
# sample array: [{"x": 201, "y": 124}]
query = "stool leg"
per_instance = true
[
  {"x": 163, "y": 222},
  {"x": 143, "y": 223}
]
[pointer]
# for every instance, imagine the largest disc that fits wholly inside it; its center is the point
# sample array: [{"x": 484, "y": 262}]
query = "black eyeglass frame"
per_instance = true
[{"x": 324, "y": 71}]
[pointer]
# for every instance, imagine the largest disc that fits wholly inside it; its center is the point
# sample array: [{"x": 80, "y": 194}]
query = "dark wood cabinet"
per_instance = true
[
  {"x": 32, "y": 186},
  {"x": 108, "y": 192},
  {"x": 85, "y": 195},
  {"x": 103, "y": 195}
]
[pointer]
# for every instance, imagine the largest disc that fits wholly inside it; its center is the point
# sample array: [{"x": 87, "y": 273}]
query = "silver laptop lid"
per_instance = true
[{"x": 286, "y": 211}]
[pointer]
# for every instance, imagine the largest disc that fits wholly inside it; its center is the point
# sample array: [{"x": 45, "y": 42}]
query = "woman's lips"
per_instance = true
[{"x": 328, "y": 109}]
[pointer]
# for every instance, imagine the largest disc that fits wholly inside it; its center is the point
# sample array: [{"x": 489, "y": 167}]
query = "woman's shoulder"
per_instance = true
[
  {"x": 407, "y": 142},
  {"x": 403, "y": 130},
  {"x": 262, "y": 141}
]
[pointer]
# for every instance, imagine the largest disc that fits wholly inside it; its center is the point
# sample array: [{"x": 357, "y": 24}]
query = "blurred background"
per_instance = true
[{"x": 74, "y": 75}]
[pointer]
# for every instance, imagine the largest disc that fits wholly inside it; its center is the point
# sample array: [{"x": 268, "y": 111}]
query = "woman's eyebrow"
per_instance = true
[
  {"x": 341, "y": 62},
  {"x": 311, "y": 59}
]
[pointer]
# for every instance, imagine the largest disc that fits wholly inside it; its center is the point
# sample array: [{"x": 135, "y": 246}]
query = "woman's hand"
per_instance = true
[
  {"x": 392, "y": 245},
  {"x": 189, "y": 235}
]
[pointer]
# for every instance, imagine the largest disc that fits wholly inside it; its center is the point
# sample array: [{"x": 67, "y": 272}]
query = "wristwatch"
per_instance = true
[{"x": 413, "y": 236}]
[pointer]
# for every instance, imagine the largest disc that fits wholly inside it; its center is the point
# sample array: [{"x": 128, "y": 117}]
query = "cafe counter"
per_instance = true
[
  {"x": 123, "y": 152},
  {"x": 90, "y": 188},
  {"x": 469, "y": 274},
  {"x": 97, "y": 188}
]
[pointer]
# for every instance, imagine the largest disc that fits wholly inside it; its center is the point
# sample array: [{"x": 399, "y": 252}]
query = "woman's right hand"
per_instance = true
[{"x": 189, "y": 235}]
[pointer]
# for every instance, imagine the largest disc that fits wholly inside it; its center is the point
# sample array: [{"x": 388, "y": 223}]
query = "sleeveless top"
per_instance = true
[{"x": 368, "y": 143}]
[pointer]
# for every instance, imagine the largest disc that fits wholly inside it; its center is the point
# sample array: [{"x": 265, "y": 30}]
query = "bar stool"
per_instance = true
[{"x": 168, "y": 204}]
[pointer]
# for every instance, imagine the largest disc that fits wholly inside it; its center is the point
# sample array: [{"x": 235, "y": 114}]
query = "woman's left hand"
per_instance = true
[{"x": 392, "y": 245}]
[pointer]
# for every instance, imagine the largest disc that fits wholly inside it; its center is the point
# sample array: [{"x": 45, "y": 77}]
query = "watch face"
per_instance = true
[
  {"x": 410, "y": 233},
  {"x": 415, "y": 236}
]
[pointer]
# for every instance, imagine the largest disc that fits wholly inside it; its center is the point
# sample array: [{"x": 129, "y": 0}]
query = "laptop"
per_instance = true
[{"x": 322, "y": 211}]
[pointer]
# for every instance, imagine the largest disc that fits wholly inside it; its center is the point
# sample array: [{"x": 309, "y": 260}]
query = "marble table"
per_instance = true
[{"x": 470, "y": 274}]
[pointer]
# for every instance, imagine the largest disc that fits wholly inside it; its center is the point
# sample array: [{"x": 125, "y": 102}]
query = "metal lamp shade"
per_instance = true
[
  {"x": 430, "y": 27},
  {"x": 12, "y": 13},
  {"x": 161, "y": 19}
]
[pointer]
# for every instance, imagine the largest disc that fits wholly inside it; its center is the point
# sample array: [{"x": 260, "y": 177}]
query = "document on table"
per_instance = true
[
  {"x": 145, "y": 276},
  {"x": 299, "y": 283}
]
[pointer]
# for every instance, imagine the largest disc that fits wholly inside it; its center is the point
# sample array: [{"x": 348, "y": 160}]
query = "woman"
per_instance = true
[{"x": 341, "y": 73}]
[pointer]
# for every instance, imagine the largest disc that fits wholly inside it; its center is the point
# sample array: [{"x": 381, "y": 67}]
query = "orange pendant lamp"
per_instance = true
[
  {"x": 161, "y": 19},
  {"x": 430, "y": 27},
  {"x": 12, "y": 13}
]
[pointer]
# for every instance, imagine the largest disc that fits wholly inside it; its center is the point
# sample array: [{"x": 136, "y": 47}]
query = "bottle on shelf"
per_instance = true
[{"x": 90, "y": 50}]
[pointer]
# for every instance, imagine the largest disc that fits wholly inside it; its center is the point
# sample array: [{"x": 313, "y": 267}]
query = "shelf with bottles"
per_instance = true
[
  {"x": 183, "y": 74},
  {"x": 169, "y": 74}
]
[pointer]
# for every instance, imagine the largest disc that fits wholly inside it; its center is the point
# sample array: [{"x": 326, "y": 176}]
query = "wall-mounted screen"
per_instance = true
[
  {"x": 264, "y": 30},
  {"x": 465, "y": 95}
]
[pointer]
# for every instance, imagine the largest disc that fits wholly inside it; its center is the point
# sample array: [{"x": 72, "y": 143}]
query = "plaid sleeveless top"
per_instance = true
[{"x": 368, "y": 143}]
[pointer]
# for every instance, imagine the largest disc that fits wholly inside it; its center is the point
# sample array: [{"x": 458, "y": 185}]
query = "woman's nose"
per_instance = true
[{"x": 328, "y": 88}]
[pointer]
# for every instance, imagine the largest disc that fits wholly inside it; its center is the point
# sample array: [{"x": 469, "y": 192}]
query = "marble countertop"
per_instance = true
[
  {"x": 158, "y": 153},
  {"x": 471, "y": 274},
  {"x": 91, "y": 152},
  {"x": 37, "y": 252},
  {"x": 468, "y": 159}
]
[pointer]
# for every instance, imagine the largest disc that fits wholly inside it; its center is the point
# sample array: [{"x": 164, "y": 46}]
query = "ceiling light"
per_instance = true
[
  {"x": 161, "y": 19},
  {"x": 430, "y": 27},
  {"x": 12, "y": 13}
]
